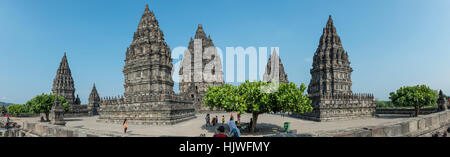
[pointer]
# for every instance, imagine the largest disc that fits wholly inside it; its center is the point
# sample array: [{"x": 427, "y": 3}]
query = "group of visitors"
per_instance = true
[
  {"x": 215, "y": 120},
  {"x": 232, "y": 125}
]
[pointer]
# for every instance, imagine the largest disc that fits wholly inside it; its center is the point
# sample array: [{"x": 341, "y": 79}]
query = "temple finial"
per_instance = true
[{"x": 146, "y": 7}]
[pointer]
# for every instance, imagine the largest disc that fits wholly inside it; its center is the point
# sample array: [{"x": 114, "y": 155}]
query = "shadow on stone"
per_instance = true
[
  {"x": 72, "y": 120},
  {"x": 265, "y": 129},
  {"x": 392, "y": 116},
  {"x": 214, "y": 128}
]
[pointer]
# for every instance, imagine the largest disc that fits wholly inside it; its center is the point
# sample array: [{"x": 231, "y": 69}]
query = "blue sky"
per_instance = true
[{"x": 391, "y": 43}]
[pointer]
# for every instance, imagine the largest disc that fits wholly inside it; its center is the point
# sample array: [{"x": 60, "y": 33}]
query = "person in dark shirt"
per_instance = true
[{"x": 221, "y": 132}]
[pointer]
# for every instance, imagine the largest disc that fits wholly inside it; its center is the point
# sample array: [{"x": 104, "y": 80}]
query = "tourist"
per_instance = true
[
  {"x": 217, "y": 120},
  {"x": 7, "y": 122},
  {"x": 234, "y": 131},
  {"x": 125, "y": 127},
  {"x": 207, "y": 118},
  {"x": 238, "y": 117},
  {"x": 221, "y": 132},
  {"x": 223, "y": 119},
  {"x": 213, "y": 121}
]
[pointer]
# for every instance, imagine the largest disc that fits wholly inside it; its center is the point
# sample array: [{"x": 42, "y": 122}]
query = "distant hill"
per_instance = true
[{"x": 5, "y": 104}]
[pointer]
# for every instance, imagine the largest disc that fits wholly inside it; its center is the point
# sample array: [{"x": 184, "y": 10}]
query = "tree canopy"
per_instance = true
[
  {"x": 16, "y": 109},
  {"x": 414, "y": 96},
  {"x": 43, "y": 103},
  {"x": 259, "y": 97}
]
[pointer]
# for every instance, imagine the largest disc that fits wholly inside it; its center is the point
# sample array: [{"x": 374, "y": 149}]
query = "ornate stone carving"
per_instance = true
[
  {"x": 330, "y": 86},
  {"x": 148, "y": 98},
  {"x": 63, "y": 83}
]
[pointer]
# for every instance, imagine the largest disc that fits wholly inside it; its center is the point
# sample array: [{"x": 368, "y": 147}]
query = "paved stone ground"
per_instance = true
[{"x": 268, "y": 124}]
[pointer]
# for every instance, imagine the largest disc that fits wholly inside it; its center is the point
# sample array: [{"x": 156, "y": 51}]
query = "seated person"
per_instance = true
[{"x": 221, "y": 132}]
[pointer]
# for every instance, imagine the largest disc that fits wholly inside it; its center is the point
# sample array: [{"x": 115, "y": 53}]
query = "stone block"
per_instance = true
[
  {"x": 393, "y": 130},
  {"x": 378, "y": 131},
  {"x": 421, "y": 124},
  {"x": 428, "y": 122},
  {"x": 405, "y": 128},
  {"x": 363, "y": 133},
  {"x": 413, "y": 126},
  {"x": 435, "y": 122}
]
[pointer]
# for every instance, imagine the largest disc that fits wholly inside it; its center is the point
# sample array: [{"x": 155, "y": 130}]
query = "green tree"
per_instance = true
[
  {"x": 43, "y": 104},
  {"x": 414, "y": 96},
  {"x": 16, "y": 108},
  {"x": 258, "y": 98}
]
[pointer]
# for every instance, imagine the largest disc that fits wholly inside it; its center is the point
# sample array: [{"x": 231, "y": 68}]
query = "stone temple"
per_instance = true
[
  {"x": 200, "y": 68},
  {"x": 330, "y": 86},
  {"x": 149, "y": 98},
  {"x": 63, "y": 85},
  {"x": 275, "y": 70},
  {"x": 94, "y": 102}
]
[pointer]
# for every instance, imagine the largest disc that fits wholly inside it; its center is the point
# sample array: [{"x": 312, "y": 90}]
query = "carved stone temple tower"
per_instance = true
[
  {"x": 63, "y": 83},
  {"x": 330, "y": 86},
  {"x": 94, "y": 102},
  {"x": 275, "y": 70},
  {"x": 149, "y": 98},
  {"x": 200, "y": 68}
]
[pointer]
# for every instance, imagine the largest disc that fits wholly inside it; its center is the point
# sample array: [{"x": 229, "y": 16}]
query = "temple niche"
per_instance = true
[
  {"x": 330, "y": 86},
  {"x": 149, "y": 98},
  {"x": 200, "y": 68}
]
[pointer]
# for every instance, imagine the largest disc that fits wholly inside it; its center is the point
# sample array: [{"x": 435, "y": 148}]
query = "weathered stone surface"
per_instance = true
[
  {"x": 442, "y": 101},
  {"x": 330, "y": 86},
  {"x": 413, "y": 126},
  {"x": 378, "y": 132},
  {"x": 393, "y": 130},
  {"x": 57, "y": 113},
  {"x": 200, "y": 68},
  {"x": 149, "y": 98}
]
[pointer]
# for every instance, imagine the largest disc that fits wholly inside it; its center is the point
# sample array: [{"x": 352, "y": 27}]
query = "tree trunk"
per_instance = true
[
  {"x": 417, "y": 112},
  {"x": 46, "y": 117},
  {"x": 255, "y": 119}
]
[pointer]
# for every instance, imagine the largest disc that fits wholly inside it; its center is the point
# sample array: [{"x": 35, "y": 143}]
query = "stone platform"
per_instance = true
[
  {"x": 268, "y": 124},
  {"x": 169, "y": 111}
]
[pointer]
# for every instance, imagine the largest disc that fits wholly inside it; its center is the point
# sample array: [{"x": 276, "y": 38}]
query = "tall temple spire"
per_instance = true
[
  {"x": 148, "y": 97},
  {"x": 200, "y": 33},
  {"x": 94, "y": 101},
  {"x": 63, "y": 83},
  {"x": 331, "y": 83},
  {"x": 148, "y": 47},
  {"x": 195, "y": 78},
  {"x": 331, "y": 67},
  {"x": 275, "y": 70}
]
